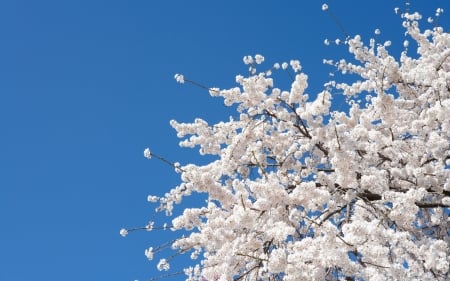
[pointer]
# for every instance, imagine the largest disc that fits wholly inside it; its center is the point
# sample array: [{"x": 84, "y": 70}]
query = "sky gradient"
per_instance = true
[{"x": 86, "y": 86}]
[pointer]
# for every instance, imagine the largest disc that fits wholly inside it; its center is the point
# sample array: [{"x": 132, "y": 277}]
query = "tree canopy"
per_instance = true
[{"x": 302, "y": 190}]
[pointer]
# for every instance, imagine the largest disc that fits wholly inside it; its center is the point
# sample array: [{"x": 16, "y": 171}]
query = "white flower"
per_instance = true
[
  {"x": 149, "y": 226},
  {"x": 248, "y": 60},
  {"x": 177, "y": 167},
  {"x": 324, "y": 7},
  {"x": 284, "y": 65},
  {"x": 163, "y": 265},
  {"x": 149, "y": 253},
  {"x": 123, "y": 232},
  {"x": 295, "y": 64},
  {"x": 152, "y": 198},
  {"x": 259, "y": 59},
  {"x": 446, "y": 201},
  {"x": 276, "y": 65},
  {"x": 326, "y": 42},
  {"x": 214, "y": 91},
  {"x": 147, "y": 153},
  {"x": 377, "y": 31},
  {"x": 179, "y": 78}
]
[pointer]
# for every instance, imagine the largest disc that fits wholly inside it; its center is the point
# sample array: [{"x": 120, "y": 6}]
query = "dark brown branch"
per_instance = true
[
  {"x": 428, "y": 161},
  {"x": 383, "y": 159},
  {"x": 369, "y": 196},
  {"x": 330, "y": 214},
  {"x": 431, "y": 205},
  {"x": 322, "y": 148},
  {"x": 248, "y": 271},
  {"x": 442, "y": 62}
]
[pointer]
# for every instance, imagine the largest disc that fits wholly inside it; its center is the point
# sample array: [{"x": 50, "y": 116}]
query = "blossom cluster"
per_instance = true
[{"x": 303, "y": 191}]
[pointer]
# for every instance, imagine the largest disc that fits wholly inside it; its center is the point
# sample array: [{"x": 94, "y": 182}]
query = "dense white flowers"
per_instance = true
[
  {"x": 302, "y": 188},
  {"x": 147, "y": 153}
]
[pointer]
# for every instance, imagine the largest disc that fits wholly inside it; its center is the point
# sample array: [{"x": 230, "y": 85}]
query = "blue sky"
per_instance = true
[{"x": 85, "y": 86}]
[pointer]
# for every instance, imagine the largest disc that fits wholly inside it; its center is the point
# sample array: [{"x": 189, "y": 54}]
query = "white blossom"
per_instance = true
[
  {"x": 147, "y": 153},
  {"x": 179, "y": 78},
  {"x": 149, "y": 253},
  {"x": 123, "y": 232},
  {"x": 163, "y": 264},
  {"x": 324, "y": 7},
  {"x": 248, "y": 60},
  {"x": 446, "y": 200},
  {"x": 295, "y": 64},
  {"x": 149, "y": 226},
  {"x": 259, "y": 59},
  {"x": 439, "y": 11},
  {"x": 406, "y": 43}
]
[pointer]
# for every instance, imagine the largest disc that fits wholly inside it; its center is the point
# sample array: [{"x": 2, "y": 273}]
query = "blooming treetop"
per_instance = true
[{"x": 301, "y": 192}]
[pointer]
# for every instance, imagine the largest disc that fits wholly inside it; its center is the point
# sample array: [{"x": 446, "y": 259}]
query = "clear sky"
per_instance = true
[{"x": 85, "y": 86}]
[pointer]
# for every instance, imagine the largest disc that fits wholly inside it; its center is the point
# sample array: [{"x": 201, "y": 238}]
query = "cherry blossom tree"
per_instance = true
[{"x": 300, "y": 190}]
